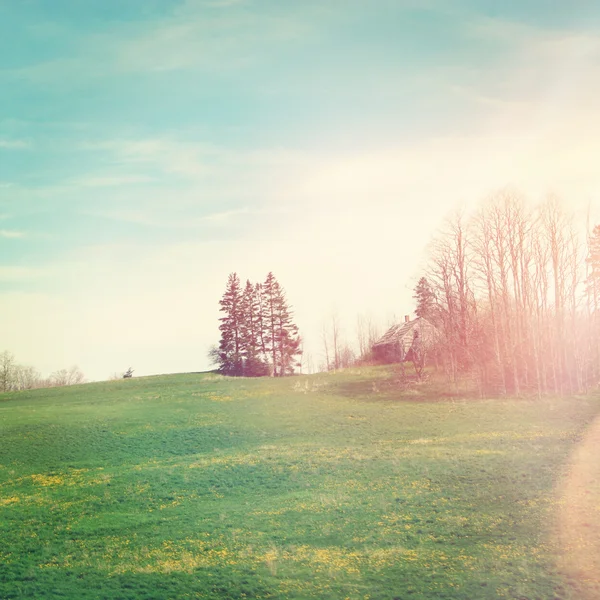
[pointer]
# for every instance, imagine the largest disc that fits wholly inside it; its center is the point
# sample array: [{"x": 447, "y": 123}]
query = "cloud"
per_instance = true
[
  {"x": 14, "y": 274},
  {"x": 218, "y": 40},
  {"x": 226, "y": 216},
  {"x": 197, "y": 160},
  {"x": 10, "y": 234},
  {"x": 194, "y": 36},
  {"x": 9, "y": 144},
  {"x": 544, "y": 56},
  {"x": 224, "y": 3},
  {"x": 190, "y": 159},
  {"x": 197, "y": 183},
  {"x": 111, "y": 180},
  {"x": 165, "y": 218}
]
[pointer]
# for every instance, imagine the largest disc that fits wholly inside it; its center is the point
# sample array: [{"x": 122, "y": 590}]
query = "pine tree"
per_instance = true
[
  {"x": 426, "y": 301},
  {"x": 281, "y": 334},
  {"x": 287, "y": 338},
  {"x": 251, "y": 334},
  {"x": 257, "y": 332},
  {"x": 230, "y": 345},
  {"x": 270, "y": 291},
  {"x": 262, "y": 326}
]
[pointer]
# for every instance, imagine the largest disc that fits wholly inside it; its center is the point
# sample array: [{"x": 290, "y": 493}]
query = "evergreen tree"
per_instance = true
[
  {"x": 282, "y": 342},
  {"x": 270, "y": 292},
  {"x": 287, "y": 338},
  {"x": 262, "y": 326},
  {"x": 426, "y": 301},
  {"x": 257, "y": 332},
  {"x": 230, "y": 345},
  {"x": 250, "y": 333}
]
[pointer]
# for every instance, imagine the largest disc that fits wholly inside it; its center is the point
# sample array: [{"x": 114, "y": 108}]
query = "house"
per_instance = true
[{"x": 400, "y": 341}]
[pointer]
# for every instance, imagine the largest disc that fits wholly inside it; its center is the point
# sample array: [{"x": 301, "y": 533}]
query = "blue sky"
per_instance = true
[{"x": 148, "y": 148}]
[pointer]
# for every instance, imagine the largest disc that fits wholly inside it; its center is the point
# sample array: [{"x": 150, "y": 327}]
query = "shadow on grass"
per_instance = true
[
  {"x": 405, "y": 387},
  {"x": 41, "y": 446},
  {"x": 84, "y": 583}
]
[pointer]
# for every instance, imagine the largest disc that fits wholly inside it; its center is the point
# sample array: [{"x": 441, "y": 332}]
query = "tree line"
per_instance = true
[
  {"x": 16, "y": 377},
  {"x": 258, "y": 335},
  {"x": 514, "y": 292},
  {"x": 338, "y": 351}
]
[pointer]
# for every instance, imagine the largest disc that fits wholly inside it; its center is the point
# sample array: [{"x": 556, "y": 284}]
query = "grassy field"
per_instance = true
[{"x": 324, "y": 486}]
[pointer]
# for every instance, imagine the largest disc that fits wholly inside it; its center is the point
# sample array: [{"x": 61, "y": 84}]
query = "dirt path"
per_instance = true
[{"x": 579, "y": 516}]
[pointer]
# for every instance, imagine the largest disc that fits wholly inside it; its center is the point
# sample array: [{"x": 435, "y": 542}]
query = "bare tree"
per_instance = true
[
  {"x": 26, "y": 378},
  {"x": 449, "y": 276},
  {"x": 7, "y": 370},
  {"x": 324, "y": 339},
  {"x": 331, "y": 342},
  {"x": 335, "y": 340},
  {"x": 64, "y": 377},
  {"x": 362, "y": 335},
  {"x": 510, "y": 298}
]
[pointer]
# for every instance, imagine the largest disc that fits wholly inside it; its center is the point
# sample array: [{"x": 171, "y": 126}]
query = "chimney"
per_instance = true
[{"x": 406, "y": 318}]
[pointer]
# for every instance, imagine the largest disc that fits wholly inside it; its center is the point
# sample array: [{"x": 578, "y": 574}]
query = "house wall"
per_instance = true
[
  {"x": 388, "y": 353},
  {"x": 398, "y": 350}
]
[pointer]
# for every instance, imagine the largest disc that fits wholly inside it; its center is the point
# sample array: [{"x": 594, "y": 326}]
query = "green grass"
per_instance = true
[{"x": 324, "y": 486}]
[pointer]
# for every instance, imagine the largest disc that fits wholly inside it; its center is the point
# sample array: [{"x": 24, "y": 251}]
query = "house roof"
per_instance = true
[
  {"x": 397, "y": 333},
  {"x": 404, "y": 332}
]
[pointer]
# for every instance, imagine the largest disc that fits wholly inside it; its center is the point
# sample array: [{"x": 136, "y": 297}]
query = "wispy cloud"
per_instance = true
[
  {"x": 195, "y": 36},
  {"x": 215, "y": 40},
  {"x": 11, "y": 234},
  {"x": 14, "y": 274},
  {"x": 224, "y": 3},
  {"x": 535, "y": 77},
  {"x": 169, "y": 156},
  {"x": 518, "y": 33},
  {"x": 153, "y": 217},
  {"x": 193, "y": 174},
  {"x": 226, "y": 216},
  {"x": 111, "y": 180},
  {"x": 9, "y": 144}
]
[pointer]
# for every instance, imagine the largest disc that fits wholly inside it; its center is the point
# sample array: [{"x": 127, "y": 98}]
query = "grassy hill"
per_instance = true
[{"x": 323, "y": 486}]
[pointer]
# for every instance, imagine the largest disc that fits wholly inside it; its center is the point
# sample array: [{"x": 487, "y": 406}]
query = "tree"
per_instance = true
[
  {"x": 26, "y": 378},
  {"x": 282, "y": 342},
  {"x": 449, "y": 276},
  {"x": 258, "y": 335},
  {"x": 509, "y": 306},
  {"x": 230, "y": 360},
  {"x": 17, "y": 377},
  {"x": 251, "y": 334},
  {"x": 425, "y": 297},
  {"x": 325, "y": 338},
  {"x": 287, "y": 339},
  {"x": 335, "y": 338},
  {"x": 593, "y": 273},
  {"x": 343, "y": 355},
  {"x": 332, "y": 342},
  {"x": 7, "y": 368},
  {"x": 213, "y": 355},
  {"x": 71, "y": 376},
  {"x": 361, "y": 336},
  {"x": 262, "y": 326},
  {"x": 271, "y": 292},
  {"x": 592, "y": 289}
]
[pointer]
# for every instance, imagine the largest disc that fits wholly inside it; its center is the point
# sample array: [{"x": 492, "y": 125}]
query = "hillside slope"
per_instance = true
[{"x": 323, "y": 486}]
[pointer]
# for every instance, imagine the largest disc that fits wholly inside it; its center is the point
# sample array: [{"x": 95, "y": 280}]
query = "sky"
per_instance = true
[{"x": 148, "y": 148}]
